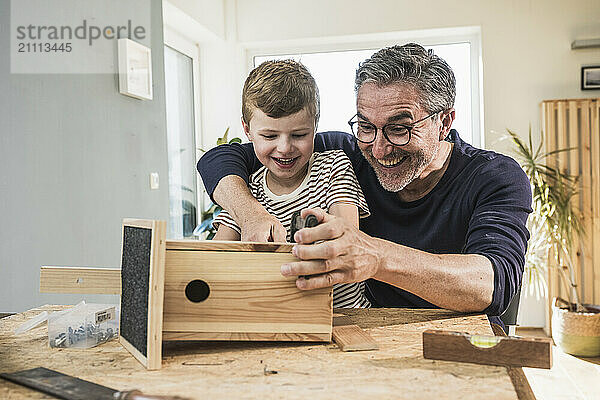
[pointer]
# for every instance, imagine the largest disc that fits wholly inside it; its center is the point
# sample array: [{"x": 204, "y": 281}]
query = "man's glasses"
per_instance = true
[{"x": 396, "y": 134}]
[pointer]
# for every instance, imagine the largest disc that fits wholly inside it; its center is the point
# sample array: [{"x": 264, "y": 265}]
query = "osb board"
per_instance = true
[
  {"x": 250, "y": 370},
  {"x": 248, "y": 294}
]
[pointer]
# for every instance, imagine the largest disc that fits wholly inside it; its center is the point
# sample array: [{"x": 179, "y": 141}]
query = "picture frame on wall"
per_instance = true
[
  {"x": 590, "y": 77},
  {"x": 135, "y": 69}
]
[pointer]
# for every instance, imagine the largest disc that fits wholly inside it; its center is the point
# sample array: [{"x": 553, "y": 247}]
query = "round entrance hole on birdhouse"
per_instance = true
[{"x": 197, "y": 291}]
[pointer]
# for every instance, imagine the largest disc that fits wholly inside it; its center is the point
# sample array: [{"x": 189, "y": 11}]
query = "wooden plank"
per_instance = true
[
  {"x": 574, "y": 170},
  {"x": 246, "y": 294},
  {"x": 248, "y": 336},
  {"x": 353, "y": 338},
  {"x": 156, "y": 295},
  {"x": 549, "y": 130},
  {"x": 85, "y": 280},
  {"x": 562, "y": 136},
  {"x": 520, "y": 383},
  {"x": 563, "y": 166},
  {"x": 587, "y": 287},
  {"x": 517, "y": 375},
  {"x": 221, "y": 245},
  {"x": 138, "y": 223},
  {"x": 595, "y": 135},
  {"x": 134, "y": 352},
  {"x": 508, "y": 351}
]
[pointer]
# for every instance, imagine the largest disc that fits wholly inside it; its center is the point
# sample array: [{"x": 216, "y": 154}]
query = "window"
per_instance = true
[
  {"x": 334, "y": 72},
  {"x": 179, "y": 89}
]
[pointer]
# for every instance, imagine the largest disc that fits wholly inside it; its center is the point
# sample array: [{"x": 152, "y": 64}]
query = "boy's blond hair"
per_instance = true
[{"x": 280, "y": 88}]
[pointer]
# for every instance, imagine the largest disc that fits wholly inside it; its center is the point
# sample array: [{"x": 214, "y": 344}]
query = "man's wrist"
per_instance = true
[{"x": 387, "y": 260}]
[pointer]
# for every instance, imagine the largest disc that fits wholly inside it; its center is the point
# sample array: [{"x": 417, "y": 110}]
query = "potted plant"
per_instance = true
[{"x": 553, "y": 225}]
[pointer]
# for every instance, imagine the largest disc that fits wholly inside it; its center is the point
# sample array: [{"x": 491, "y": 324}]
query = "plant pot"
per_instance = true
[{"x": 576, "y": 333}]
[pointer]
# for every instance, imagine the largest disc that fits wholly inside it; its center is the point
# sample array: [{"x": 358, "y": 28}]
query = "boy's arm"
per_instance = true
[
  {"x": 256, "y": 223},
  {"x": 225, "y": 171}
]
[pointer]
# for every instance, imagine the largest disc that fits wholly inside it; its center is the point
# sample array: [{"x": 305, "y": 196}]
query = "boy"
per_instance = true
[{"x": 280, "y": 111}]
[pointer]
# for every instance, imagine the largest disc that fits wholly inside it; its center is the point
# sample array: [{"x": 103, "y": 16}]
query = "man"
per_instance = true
[{"x": 447, "y": 225}]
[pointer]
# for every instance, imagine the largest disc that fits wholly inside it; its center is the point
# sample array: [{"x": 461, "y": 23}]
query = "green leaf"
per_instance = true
[
  {"x": 555, "y": 220},
  {"x": 223, "y": 140}
]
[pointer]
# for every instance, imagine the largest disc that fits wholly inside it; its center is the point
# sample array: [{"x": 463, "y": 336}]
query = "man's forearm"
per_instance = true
[
  {"x": 461, "y": 282},
  {"x": 232, "y": 193},
  {"x": 256, "y": 223}
]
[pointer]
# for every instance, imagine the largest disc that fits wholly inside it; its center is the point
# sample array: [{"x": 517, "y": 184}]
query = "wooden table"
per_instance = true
[{"x": 259, "y": 370}]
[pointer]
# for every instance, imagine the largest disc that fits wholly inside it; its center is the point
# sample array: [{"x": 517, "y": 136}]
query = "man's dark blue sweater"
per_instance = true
[{"x": 480, "y": 206}]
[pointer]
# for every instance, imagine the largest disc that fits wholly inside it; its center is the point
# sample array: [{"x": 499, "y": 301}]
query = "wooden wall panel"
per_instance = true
[
  {"x": 549, "y": 132},
  {"x": 595, "y": 166},
  {"x": 587, "y": 285},
  {"x": 574, "y": 170},
  {"x": 576, "y": 123},
  {"x": 562, "y": 160}
]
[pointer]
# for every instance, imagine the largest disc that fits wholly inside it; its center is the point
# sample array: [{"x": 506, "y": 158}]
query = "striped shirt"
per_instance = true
[{"x": 330, "y": 180}]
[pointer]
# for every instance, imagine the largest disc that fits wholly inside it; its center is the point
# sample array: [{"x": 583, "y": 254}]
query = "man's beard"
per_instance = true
[{"x": 411, "y": 168}]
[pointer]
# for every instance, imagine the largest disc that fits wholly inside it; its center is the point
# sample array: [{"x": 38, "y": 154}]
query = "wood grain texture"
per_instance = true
[
  {"x": 353, "y": 338},
  {"x": 381, "y": 317},
  {"x": 156, "y": 294},
  {"x": 142, "y": 359},
  {"x": 517, "y": 375},
  {"x": 244, "y": 370},
  {"x": 138, "y": 223},
  {"x": 588, "y": 212},
  {"x": 575, "y": 123},
  {"x": 248, "y": 294},
  {"x": 510, "y": 351},
  {"x": 550, "y": 138},
  {"x": 595, "y": 229},
  {"x": 221, "y": 245},
  {"x": 574, "y": 170},
  {"x": 86, "y": 280},
  {"x": 562, "y": 164},
  {"x": 247, "y": 336}
]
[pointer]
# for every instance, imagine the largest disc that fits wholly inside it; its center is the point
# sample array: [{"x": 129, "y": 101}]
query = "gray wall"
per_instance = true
[{"x": 75, "y": 159}]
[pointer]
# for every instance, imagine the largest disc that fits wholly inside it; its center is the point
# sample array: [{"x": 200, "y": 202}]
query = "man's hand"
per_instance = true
[
  {"x": 256, "y": 223},
  {"x": 337, "y": 252},
  {"x": 343, "y": 254}
]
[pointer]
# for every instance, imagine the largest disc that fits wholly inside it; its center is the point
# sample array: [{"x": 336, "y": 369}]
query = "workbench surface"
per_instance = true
[{"x": 259, "y": 370}]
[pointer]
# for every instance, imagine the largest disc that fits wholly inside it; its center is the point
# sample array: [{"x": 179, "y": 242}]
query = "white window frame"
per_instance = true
[
  {"x": 190, "y": 48},
  {"x": 429, "y": 37}
]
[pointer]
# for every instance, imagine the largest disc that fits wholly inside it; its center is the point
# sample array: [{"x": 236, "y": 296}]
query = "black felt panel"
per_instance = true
[{"x": 135, "y": 280}]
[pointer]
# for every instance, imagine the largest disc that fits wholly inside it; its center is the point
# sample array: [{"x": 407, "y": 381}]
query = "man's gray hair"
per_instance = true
[{"x": 413, "y": 64}]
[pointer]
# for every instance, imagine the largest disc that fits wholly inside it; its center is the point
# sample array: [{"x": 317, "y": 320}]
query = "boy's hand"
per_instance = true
[
  {"x": 343, "y": 254},
  {"x": 262, "y": 227}
]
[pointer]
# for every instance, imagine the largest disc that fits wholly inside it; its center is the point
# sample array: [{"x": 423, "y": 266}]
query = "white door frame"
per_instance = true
[{"x": 190, "y": 48}]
